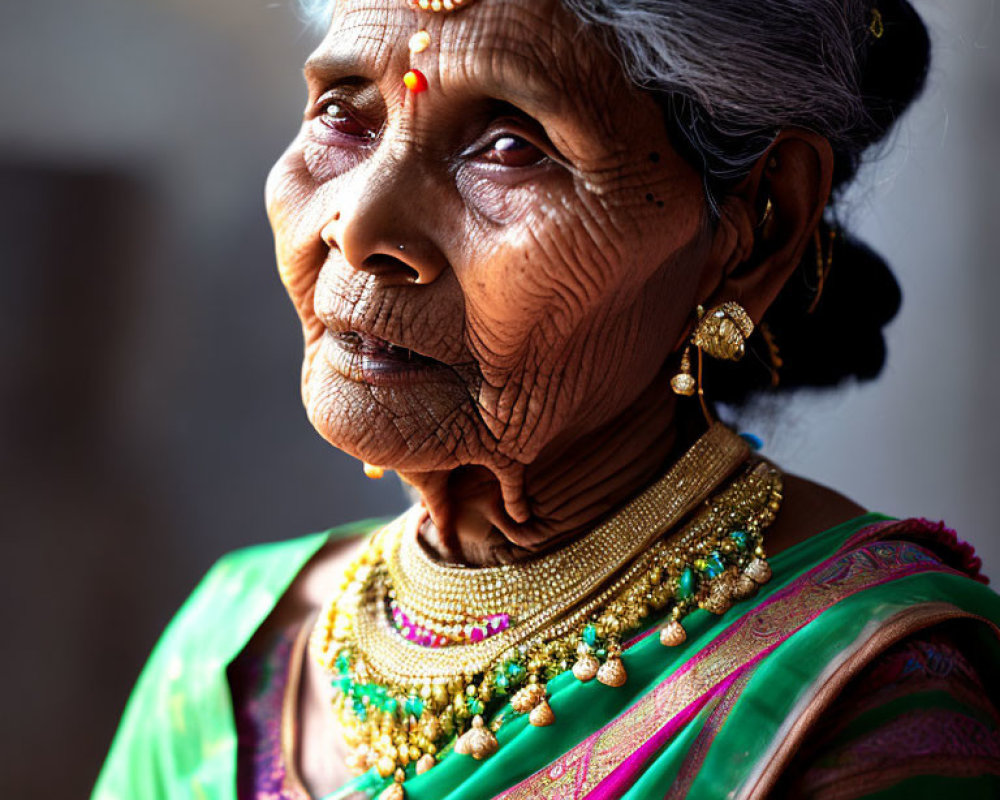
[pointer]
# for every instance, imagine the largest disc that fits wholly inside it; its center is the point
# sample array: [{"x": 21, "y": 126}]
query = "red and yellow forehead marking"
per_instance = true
[{"x": 414, "y": 79}]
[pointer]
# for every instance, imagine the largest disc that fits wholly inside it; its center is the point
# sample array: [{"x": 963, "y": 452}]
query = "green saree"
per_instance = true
[{"x": 720, "y": 716}]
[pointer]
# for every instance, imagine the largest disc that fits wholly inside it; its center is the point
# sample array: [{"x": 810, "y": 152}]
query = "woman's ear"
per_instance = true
[{"x": 756, "y": 260}]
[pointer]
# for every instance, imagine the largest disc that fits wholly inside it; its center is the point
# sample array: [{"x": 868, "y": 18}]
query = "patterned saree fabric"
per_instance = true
[
  {"x": 856, "y": 656},
  {"x": 260, "y": 694},
  {"x": 917, "y": 712}
]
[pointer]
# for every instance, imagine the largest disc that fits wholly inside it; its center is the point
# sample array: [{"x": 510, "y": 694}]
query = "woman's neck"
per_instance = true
[{"x": 571, "y": 486}]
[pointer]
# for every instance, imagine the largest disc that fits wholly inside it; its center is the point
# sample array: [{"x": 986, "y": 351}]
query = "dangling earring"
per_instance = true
[
  {"x": 721, "y": 333},
  {"x": 683, "y": 383},
  {"x": 824, "y": 262},
  {"x": 373, "y": 472},
  {"x": 773, "y": 352}
]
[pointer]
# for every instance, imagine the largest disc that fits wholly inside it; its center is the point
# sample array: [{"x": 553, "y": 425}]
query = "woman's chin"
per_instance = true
[{"x": 405, "y": 425}]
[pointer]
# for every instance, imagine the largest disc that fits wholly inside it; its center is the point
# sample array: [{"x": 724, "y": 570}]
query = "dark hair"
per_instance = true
[
  {"x": 846, "y": 69},
  {"x": 837, "y": 336}
]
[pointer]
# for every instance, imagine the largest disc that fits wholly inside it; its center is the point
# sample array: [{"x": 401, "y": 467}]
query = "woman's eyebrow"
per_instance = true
[
  {"x": 321, "y": 67},
  {"x": 358, "y": 54}
]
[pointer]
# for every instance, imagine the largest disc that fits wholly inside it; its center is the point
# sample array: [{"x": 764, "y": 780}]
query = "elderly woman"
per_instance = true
[{"x": 529, "y": 242}]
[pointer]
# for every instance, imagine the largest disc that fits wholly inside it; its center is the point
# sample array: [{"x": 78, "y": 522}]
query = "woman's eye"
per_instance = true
[
  {"x": 512, "y": 151},
  {"x": 339, "y": 118}
]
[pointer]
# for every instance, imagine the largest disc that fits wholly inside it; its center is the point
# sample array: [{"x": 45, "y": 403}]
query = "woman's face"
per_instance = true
[{"x": 497, "y": 264}]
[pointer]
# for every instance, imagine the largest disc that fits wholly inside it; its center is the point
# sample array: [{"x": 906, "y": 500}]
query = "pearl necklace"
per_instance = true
[{"x": 420, "y": 651}]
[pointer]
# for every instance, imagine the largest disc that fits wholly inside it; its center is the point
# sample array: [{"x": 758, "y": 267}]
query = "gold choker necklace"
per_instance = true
[{"x": 420, "y": 652}]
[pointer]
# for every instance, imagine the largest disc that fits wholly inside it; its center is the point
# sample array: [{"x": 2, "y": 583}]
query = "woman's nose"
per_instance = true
[{"x": 380, "y": 227}]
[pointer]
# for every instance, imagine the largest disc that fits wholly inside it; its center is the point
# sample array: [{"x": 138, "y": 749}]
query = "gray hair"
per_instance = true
[{"x": 730, "y": 74}]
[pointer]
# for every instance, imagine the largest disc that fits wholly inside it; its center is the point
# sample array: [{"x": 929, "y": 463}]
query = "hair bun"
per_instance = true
[
  {"x": 895, "y": 66},
  {"x": 892, "y": 72},
  {"x": 840, "y": 339}
]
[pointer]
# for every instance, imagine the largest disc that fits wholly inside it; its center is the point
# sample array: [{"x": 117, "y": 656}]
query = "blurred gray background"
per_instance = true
[{"x": 149, "y": 410}]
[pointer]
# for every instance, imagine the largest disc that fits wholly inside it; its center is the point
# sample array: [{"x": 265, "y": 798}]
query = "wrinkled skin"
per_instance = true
[{"x": 527, "y": 222}]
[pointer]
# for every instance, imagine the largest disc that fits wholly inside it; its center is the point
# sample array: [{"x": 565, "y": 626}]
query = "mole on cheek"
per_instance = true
[{"x": 654, "y": 157}]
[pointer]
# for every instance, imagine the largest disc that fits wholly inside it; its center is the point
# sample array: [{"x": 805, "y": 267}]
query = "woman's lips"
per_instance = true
[{"x": 368, "y": 359}]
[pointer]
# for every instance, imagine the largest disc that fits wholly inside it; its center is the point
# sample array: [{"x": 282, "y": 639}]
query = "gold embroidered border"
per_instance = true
[{"x": 581, "y": 769}]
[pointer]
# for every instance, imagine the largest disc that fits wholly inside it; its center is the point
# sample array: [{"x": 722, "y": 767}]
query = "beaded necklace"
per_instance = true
[{"x": 421, "y": 652}]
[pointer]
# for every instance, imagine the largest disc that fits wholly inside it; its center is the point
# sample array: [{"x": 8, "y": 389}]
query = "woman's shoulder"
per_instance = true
[
  {"x": 922, "y": 710},
  {"x": 812, "y": 514},
  {"x": 244, "y": 585},
  {"x": 262, "y": 574},
  {"x": 180, "y": 704},
  {"x": 308, "y": 585},
  {"x": 808, "y": 509}
]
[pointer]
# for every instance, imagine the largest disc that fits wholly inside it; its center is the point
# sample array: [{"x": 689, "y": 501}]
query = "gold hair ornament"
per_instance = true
[{"x": 876, "y": 27}]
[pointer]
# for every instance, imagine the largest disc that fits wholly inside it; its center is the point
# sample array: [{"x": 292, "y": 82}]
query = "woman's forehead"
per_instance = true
[{"x": 533, "y": 48}]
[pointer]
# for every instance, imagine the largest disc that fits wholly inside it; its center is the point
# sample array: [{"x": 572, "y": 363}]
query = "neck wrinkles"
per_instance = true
[{"x": 571, "y": 487}]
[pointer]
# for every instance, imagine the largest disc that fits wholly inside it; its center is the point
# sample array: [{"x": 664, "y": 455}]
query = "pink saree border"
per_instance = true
[
  {"x": 943, "y": 540},
  {"x": 699, "y": 748},
  {"x": 608, "y": 761}
]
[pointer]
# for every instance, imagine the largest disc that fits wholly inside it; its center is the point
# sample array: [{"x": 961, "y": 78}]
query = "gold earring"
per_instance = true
[
  {"x": 721, "y": 333},
  {"x": 683, "y": 382},
  {"x": 765, "y": 218},
  {"x": 876, "y": 26},
  {"x": 824, "y": 262},
  {"x": 773, "y": 352},
  {"x": 373, "y": 472}
]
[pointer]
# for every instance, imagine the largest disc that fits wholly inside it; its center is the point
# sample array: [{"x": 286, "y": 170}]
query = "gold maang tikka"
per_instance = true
[
  {"x": 721, "y": 333},
  {"x": 415, "y": 80}
]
